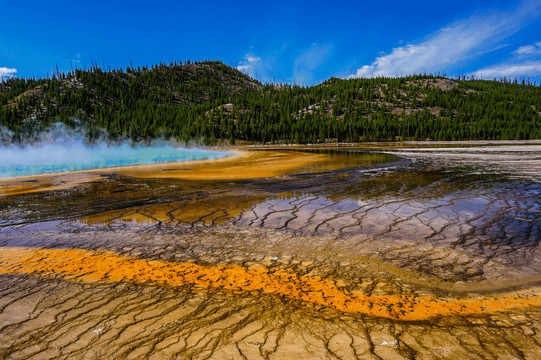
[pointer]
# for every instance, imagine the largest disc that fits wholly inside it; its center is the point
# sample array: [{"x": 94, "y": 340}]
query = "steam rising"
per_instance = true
[{"x": 61, "y": 150}]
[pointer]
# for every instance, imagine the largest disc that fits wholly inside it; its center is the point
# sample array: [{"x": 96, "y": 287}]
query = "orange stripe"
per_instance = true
[{"x": 104, "y": 266}]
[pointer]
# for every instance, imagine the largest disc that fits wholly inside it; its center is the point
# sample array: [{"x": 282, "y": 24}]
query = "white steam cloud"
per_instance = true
[{"x": 61, "y": 150}]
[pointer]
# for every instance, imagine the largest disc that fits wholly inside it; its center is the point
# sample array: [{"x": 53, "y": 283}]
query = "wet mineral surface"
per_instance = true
[{"x": 276, "y": 254}]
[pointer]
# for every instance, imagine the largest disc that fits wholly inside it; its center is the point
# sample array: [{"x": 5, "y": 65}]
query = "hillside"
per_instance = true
[{"x": 211, "y": 102}]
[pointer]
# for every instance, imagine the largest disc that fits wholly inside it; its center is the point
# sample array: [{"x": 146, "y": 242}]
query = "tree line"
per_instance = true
[{"x": 210, "y": 102}]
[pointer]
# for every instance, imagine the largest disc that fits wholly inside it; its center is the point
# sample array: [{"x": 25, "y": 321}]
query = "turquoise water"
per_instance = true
[{"x": 52, "y": 158}]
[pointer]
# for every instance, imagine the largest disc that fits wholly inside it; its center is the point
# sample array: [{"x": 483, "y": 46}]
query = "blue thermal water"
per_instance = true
[{"x": 52, "y": 158}]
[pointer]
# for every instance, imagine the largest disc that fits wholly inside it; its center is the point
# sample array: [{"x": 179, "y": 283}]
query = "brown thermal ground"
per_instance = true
[{"x": 327, "y": 255}]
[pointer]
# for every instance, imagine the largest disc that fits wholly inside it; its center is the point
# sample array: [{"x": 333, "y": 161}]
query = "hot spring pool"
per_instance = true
[{"x": 52, "y": 158}]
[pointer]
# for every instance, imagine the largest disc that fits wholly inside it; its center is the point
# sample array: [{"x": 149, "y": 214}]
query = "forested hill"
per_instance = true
[{"x": 210, "y": 102}]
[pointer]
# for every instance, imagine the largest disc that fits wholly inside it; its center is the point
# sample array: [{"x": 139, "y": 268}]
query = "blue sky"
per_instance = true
[{"x": 303, "y": 42}]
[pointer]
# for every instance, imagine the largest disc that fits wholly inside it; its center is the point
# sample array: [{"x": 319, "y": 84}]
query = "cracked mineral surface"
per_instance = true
[{"x": 355, "y": 253}]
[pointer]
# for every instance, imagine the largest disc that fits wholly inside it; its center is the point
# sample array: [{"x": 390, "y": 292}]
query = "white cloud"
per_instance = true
[
  {"x": 252, "y": 59},
  {"x": 527, "y": 50},
  {"x": 451, "y": 44},
  {"x": 6, "y": 72},
  {"x": 510, "y": 70},
  {"x": 250, "y": 65},
  {"x": 260, "y": 68},
  {"x": 517, "y": 66},
  {"x": 308, "y": 61}
]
